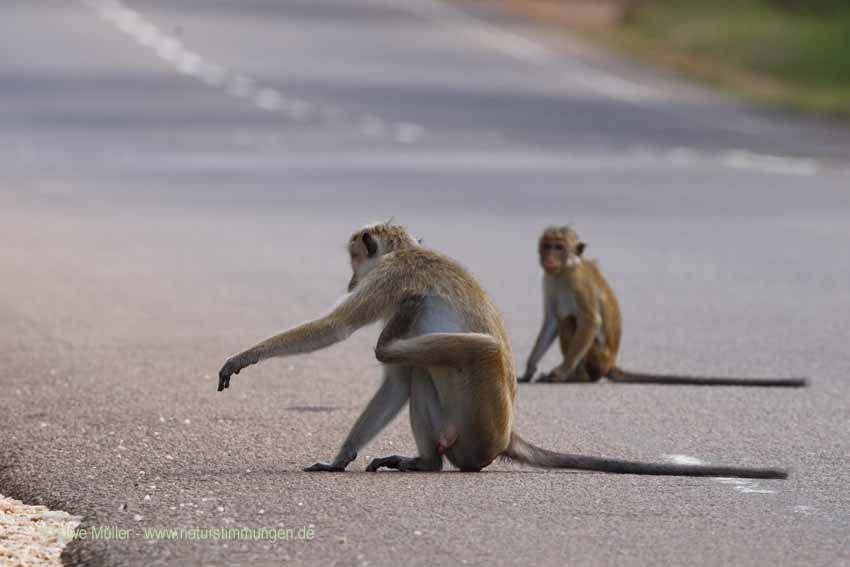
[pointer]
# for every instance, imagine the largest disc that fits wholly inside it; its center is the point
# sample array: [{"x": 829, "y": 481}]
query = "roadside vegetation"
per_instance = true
[
  {"x": 794, "y": 53},
  {"x": 789, "y": 53}
]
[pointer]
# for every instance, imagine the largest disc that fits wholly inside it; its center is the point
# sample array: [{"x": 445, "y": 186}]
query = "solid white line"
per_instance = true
[
  {"x": 743, "y": 159},
  {"x": 525, "y": 49}
]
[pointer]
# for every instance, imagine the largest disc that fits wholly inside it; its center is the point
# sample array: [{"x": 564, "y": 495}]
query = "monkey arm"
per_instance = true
[
  {"x": 588, "y": 317},
  {"x": 545, "y": 338},
  {"x": 354, "y": 311},
  {"x": 384, "y": 406}
]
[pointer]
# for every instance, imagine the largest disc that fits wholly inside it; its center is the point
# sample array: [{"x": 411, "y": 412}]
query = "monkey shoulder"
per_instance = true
[
  {"x": 424, "y": 265},
  {"x": 422, "y": 271},
  {"x": 593, "y": 267}
]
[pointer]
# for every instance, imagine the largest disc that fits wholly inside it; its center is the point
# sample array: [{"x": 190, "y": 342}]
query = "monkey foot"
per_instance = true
[
  {"x": 550, "y": 378},
  {"x": 554, "y": 378},
  {"x": 326, "y": 467},
  {"x": 404, "y": 464}
]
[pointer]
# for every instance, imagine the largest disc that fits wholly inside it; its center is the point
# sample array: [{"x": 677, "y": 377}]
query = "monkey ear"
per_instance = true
[
  {"x": 580, "y": 248},
  {"x": 371, "y": 245}
]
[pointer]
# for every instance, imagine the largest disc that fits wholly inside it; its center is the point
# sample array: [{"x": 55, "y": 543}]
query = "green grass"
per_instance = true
[{"x": 798, "y": 58}]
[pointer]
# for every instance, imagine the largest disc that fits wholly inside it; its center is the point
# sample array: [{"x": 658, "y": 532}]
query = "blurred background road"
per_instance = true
[{"x": 178, "y": 180}]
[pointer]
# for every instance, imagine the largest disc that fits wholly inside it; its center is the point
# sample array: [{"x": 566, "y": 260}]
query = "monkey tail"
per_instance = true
[
  {"x": 628, "y": 377},
  {"x": 524, "y": 452}
]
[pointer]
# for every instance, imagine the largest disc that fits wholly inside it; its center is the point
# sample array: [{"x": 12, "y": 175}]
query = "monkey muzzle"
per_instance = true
[{"x": 550, "y": 266}]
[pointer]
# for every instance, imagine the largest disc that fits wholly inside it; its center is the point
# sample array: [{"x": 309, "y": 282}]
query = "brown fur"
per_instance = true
[
  {"x": 445, "y": 349},
  {"x": 596, "y": 315},
  {"x": 596, "y": 311}
]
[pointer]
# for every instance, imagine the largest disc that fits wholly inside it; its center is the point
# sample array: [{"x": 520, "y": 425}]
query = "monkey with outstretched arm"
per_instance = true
[
  {"x": 446, "y": 352},
  {"x": 581, "y": 310}
]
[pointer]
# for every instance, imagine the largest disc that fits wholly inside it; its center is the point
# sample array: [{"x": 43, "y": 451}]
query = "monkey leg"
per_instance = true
[
  {"x": 599, "y": 361},
  {"x": 585, "y": 371},
  {"x": 425, "y": 419},
  {"x": 456, "y": 350},
  {"x": 382, "y": 408}
]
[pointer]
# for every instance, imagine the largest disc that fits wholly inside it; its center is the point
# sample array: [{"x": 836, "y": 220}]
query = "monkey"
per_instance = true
[
  {"x": 582, "y": 311},
  {"x": 446, "y": 353}
]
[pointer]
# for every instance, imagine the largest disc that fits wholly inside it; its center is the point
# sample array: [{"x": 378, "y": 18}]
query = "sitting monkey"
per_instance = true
[{"x": 581, "y": 309}]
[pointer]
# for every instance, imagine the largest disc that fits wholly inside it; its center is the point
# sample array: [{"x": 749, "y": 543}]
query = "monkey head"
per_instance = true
[
  {"x": 368, "y": 244},
  {"x": 560, "y": 249}
]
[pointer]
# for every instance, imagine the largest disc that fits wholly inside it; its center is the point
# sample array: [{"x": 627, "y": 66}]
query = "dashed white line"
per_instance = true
[
  {"x": 239, "y": 86},
  {"x": 408, "y": 133}
]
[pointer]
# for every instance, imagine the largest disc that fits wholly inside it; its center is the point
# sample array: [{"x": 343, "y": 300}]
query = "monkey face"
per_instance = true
[
  {"x": 560, "y": 249},
  {"x": 553, "y": 255}
]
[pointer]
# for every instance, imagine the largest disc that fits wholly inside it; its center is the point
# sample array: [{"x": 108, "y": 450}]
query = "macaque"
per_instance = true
[
  {"x": 445, "y": 352},
  {"x": 581, "y": 310}
]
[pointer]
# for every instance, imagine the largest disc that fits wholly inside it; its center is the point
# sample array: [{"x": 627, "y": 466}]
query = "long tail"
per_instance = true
[
  {"x": 524, "y": 452},
  {"x": 628, "y": 377}
]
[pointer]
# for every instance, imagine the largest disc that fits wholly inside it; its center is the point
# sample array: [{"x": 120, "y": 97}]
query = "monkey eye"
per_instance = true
[
  {"x": 548, "y": 246},
  {"x": 558, "y": 246}
]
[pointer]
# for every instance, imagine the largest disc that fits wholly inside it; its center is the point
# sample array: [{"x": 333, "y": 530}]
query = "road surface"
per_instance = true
[{"x": 178, "y": 181}]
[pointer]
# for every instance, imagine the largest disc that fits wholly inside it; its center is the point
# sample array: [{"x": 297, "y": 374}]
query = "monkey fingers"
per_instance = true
[
  {"x": 225, "y": 373},
  {"x": 404, "y": 464},
  {"x": 233, "y": 366}
]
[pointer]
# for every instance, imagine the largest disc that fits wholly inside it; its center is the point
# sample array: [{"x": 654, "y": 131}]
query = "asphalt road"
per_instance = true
[{"x": 177, "y": 182}]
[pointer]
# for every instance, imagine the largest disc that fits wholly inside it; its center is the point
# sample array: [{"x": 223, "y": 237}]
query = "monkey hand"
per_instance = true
[
  {"x": 558, "y": 374},
  {"x": 561, "y": 374},
  {"x": 528, "y": 376},
  {"x": 346, "y": 455},
  {"x": 233, "y": 366}
]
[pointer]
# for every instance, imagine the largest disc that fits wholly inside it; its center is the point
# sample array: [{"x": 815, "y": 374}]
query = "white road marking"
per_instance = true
[
  {"x": 268, "y": 99},
  {"x": 742, "y": 485},
  {"x": 408, "y": 133},
  {"x": 239, "y": 86},
  {"x": 273, "y": 100},
  {"x": 581, "y": 73},
  {"x": 743, "y": 159}
]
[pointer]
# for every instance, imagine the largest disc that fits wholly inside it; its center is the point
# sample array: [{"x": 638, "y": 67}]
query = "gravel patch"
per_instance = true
[{"x": 33, "y": 535}]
